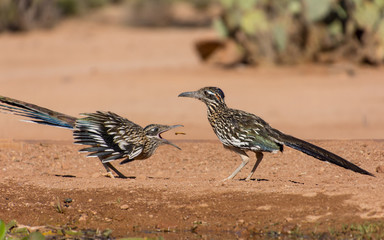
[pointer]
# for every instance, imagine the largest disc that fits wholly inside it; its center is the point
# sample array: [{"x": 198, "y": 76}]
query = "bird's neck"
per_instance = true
[
  {"x": 150, "y": 147},
  {"x": 216, "y": 108}
]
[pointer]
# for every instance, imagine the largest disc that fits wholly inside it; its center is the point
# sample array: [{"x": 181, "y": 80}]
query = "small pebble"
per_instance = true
[
  {"x": 380, "y": 169},
  {"x": 83, "y": 217},
  {"x": 124, "y": 207},
  {"x": 288, "y": 228}
]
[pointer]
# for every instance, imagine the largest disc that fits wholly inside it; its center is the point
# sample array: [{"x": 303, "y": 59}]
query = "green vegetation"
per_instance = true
[
  {"x": 3, "y": 231},
  {"x": 367, "y": 230},
  {"x": 76, "y": 7},
  {"x": 262, "y": 31},
  {"x": 14, "y": 231},
  {"x": 281, "y": 31},
  {"x": 21, "y": 15},
  {"x": 157, "y": 238},
  {"x": 161, "y": 13},
  {"x": 294, "y": 31}
]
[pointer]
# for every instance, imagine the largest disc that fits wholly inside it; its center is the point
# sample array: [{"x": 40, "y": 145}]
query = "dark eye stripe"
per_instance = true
[{"x": 213, "y": 94}]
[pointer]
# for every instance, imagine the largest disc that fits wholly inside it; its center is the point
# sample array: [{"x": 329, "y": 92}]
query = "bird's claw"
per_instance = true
[{"x": 109, "y": 174}]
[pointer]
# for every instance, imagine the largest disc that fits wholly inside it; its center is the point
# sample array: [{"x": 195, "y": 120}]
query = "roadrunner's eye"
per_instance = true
[
  {"x": 155, "y": 129},
  {"x": 210, "y": 94}
]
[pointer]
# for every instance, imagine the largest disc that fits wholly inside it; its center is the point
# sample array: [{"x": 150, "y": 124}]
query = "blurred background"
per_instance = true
[{"x": 310, "y": 68}]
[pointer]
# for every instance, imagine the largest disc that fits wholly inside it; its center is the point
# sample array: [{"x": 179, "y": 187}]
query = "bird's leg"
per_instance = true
[
  {"x": 108, "y": 173},
  {"x": 259, "y": 157},
  {"x": 245, "y": 160},
  {"x": 108, "y": 166}
]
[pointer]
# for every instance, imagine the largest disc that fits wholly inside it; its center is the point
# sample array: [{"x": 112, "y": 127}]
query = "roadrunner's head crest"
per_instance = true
[
  {"x": 209, "y": 95},
  {"x": 154, "y": 131}
]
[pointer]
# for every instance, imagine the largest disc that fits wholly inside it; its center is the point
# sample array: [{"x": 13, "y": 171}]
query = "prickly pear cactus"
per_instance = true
[{"x": 294, "y": 31}]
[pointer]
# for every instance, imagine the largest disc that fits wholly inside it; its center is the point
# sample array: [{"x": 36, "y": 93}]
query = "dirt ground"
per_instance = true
[{"x": 84, "y": 65}]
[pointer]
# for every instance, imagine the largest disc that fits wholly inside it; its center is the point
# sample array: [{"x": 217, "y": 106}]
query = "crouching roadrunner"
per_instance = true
[
  {"x": 240, "y": 131},
  {"x": 109, "y": 136}
]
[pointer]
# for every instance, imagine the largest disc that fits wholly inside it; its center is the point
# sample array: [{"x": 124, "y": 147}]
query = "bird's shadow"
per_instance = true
[
  {"x": 255, "y": 179},
  {"x": 65, "y": 175},
  {"x": 149, "y": 177},
  {"x": 164, "y": 178},
  {"x": 125, "y": 177},
  {"x": 267, "y": 180},
  {"x": 73, "y": 176},
  {"x": 295, "y": 182}
]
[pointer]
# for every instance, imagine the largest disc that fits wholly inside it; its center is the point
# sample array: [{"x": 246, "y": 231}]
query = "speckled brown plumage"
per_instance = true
[
  {"x": 241, "y": 131},
  {"x": 109, "y": 136}
]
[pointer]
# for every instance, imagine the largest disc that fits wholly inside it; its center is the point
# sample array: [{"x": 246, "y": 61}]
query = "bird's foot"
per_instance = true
[
  {"x": 249, "y": 177},
  {"x": 109, "y": 174},
  {"x": 226, "y": 179}
]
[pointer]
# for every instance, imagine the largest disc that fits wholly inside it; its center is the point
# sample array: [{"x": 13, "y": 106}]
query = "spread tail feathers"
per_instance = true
[
  {"x": 36, "y": 113},
  {"x": 319, "y": 153}
]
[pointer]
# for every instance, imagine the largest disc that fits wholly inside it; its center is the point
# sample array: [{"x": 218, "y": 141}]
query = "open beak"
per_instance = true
[
  {"x": 190, "y": 95},
  {"x": 165, "y": 141}
]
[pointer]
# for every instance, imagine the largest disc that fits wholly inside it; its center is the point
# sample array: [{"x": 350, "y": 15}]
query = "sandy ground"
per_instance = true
[{"x": 82, "y": 67}]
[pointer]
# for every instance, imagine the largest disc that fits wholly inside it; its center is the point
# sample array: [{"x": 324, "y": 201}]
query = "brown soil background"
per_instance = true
[{"x": 87, "y": 65}]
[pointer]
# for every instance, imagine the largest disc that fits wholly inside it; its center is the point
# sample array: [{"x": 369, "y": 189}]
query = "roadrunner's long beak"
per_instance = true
[
  {"x": 165, "y": 129},
  {"x": 195, "y": 94}
]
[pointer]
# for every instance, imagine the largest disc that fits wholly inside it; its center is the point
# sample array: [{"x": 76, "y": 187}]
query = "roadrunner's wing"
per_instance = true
[
  {"x": 110, "y": 136},
  {"x": 250, "y": 132}
]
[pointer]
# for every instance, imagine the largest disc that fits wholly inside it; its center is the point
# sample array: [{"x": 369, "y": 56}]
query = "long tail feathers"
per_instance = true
[
  {"x": 36, "y": 113},
  {"x": 320, "y": 153}
]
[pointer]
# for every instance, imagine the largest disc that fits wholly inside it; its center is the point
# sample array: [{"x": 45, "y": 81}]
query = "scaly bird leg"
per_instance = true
[
  {"x": 108, "y": 166},
  {"x": 259, "y": 157},
  {"x": 115, "y": 170},
  {"x": 245, "y": 160},
  {"x": 108, "y": 173}
]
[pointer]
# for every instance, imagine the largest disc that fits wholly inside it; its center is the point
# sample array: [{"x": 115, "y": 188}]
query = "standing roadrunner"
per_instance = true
[
  {"x": 110, "y": 136},
  {"x": 240, "y": 131}
]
